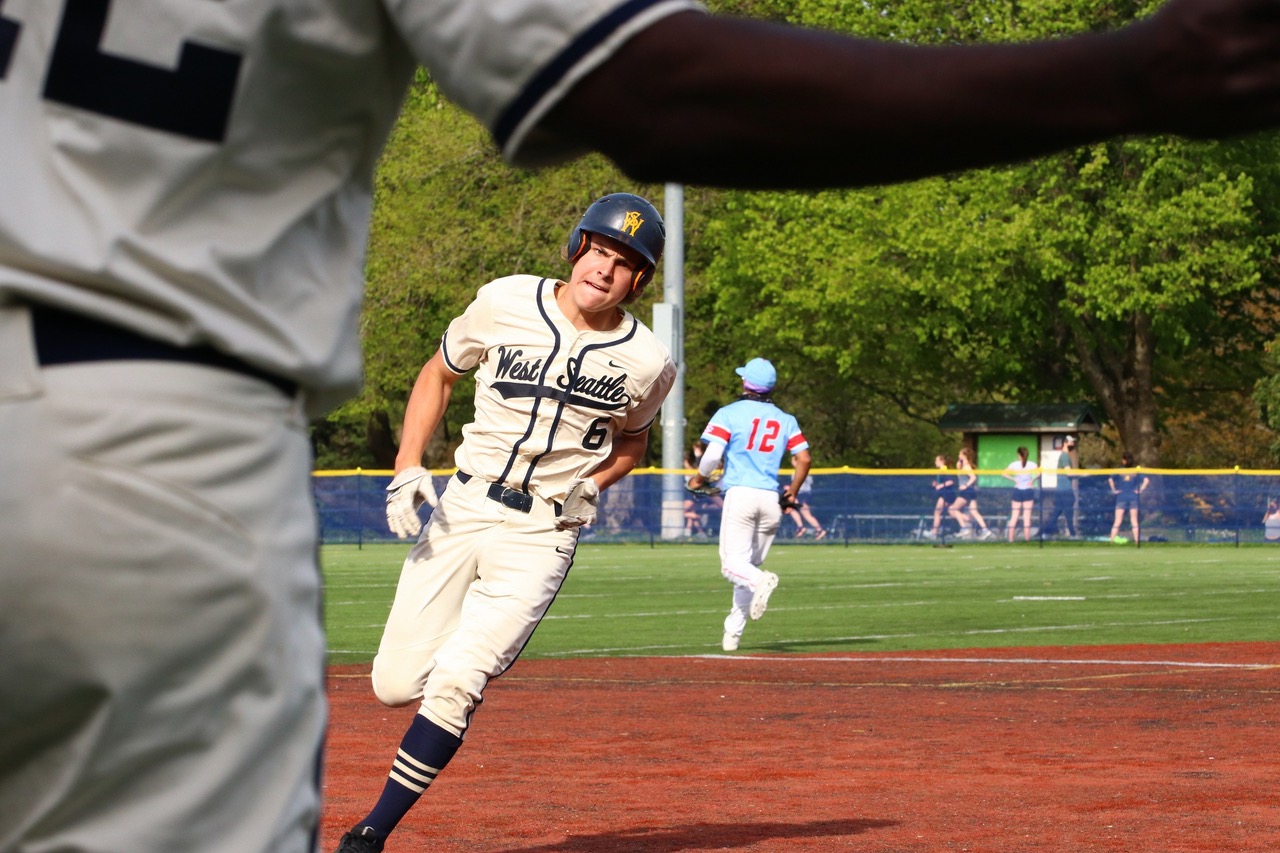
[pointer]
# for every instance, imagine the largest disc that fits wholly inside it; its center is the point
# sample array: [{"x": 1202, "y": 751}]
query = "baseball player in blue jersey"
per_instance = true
[
  {"x": 567, "y": 384},
  {"x": 750, "y": 437},
  {"x": 186, "y": 192}
]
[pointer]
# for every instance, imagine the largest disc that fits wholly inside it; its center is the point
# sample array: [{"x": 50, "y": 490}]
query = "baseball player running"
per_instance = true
[
  {"x": 567, "y": 385},
  {"x": 750, "y": 437}
]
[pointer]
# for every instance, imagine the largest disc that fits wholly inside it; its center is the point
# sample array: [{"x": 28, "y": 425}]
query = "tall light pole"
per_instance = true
[{"x": 668, "y": 325}]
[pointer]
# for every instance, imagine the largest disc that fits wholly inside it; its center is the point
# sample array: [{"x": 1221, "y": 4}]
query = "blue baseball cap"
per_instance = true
[{"x": 758, "y": 374}]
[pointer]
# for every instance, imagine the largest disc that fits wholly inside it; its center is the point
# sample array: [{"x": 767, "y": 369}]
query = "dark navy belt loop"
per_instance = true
[{"x": 64, "y": 337}]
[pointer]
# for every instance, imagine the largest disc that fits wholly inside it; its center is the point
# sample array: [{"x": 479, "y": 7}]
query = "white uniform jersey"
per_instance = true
[
  {"x": 549, "y": 397},
  {"x": 200, "y": 171}
]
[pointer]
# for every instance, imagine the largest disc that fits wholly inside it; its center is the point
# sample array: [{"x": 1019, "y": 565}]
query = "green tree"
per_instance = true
[
  {"x": 1155, "y": 256},
  {"x": 1138, "y": 273}
]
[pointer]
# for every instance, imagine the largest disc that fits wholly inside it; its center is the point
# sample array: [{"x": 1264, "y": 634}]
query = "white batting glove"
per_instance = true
[
  {"x": 579, "y": 505},
  {"x": 410, "y": 489}
]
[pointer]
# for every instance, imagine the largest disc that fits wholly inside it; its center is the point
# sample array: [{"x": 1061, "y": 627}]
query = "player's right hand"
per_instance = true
[
  {"x": 580, "y": 505},
  {"x": 407, "y": 491}
]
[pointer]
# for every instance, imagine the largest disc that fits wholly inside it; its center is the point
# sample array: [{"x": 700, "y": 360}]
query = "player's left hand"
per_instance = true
[
  {"x": 579, "y": 505},
  {"x": 786, "y": 501},
  {"x": 407, "y": 491}
]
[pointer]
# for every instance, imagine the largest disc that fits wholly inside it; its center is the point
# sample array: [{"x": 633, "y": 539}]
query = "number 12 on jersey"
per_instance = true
[{"x": 768, "y": 437}]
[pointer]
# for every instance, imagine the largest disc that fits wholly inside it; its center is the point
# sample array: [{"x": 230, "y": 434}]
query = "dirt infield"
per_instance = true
[{"x": 1147, "y": 748}]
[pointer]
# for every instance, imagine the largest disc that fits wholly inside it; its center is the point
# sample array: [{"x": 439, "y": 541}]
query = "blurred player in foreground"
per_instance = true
[
  {"x": 187, "y": 190},
  {"x": 751, "y": 436},
  {"x": 567, "y": 385}
]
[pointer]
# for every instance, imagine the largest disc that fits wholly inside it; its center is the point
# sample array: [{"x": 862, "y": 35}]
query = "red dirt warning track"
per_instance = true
[{"x": 1147, "y": 748}]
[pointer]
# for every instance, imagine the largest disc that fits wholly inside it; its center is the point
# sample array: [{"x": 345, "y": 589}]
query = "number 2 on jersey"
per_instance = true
[
  {"x": 768, "y": 438},
  {"x": 194, "y": 100}
]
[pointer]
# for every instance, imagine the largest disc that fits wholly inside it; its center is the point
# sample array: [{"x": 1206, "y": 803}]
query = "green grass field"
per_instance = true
[{"x": 671, "y": 600}]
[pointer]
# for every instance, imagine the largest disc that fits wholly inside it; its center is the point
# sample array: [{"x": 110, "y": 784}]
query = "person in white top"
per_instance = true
[
  {"x": 1024, "y": 474},
  {"x": 187, "y": 191},
  {"x": 1271, "y": 521},
  {"x": 567, "y": 384}
]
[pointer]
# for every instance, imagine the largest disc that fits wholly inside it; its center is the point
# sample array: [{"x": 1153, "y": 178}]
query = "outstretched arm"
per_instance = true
[{"x": 733, "y": 102}]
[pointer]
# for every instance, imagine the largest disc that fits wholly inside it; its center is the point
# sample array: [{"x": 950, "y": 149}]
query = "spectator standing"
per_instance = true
[
  {"x": 1024, "y": 473},
  {"x": 1066, "y": 491},
  {"x": 1127, "y": 486},
  {"x": 1271, "y": 521}
]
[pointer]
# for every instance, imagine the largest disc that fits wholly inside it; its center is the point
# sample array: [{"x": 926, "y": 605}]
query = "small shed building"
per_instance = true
[{"x": 993, "y": 432}]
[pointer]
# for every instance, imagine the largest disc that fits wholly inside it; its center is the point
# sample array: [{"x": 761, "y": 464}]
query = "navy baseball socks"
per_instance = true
[{"x": 424, "y": 752}]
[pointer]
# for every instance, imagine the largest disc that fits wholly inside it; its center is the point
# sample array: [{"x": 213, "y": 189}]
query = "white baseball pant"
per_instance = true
[
  {"x": 161, "y": 652},
  {"x": 748, "y": 524},
  {"x": 471, "y": 592}
]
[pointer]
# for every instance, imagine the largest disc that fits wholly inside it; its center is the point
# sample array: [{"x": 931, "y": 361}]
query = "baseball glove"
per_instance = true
[
  {"x": 786, "y": 501},
  {"x": 708, "y": 489}
]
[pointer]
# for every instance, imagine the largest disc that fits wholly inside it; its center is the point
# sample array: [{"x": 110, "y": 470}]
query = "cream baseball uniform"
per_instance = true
[
  {"x": 190, "y": 181},
  {"x": 549, "y": 400}
]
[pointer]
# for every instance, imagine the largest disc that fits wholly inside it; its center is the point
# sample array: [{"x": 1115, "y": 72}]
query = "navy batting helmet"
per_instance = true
[{"x": 630, "y": 220}]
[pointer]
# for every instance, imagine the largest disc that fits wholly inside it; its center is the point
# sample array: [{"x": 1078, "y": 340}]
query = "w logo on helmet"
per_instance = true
[
  {"x": 631, "y": 224},
  {"x": 620, "y": 216}
]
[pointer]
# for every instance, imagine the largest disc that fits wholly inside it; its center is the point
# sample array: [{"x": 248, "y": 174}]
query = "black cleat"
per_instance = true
[{"x": 360, "y": 839}]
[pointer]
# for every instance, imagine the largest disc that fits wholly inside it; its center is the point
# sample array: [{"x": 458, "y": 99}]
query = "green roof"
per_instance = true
[{"x": 1020, "y": 417}]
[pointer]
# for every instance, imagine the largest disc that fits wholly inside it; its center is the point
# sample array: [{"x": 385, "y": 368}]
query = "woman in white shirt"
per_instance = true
[
  {"x": 1271, "y": 522},
  {"x": 1024, "y": 474}
]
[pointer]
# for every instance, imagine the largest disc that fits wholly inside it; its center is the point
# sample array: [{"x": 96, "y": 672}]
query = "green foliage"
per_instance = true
[
  {"x": 1139, "y": 273},
  {"x": 1267, "y": 392},
  {"x": 1113, "y": 272}
]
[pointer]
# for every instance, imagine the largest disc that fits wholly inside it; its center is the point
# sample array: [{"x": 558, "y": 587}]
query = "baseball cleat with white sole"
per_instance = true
[
  {"x": 760, "y": 595},
  {"x": 730, "y": 643}
]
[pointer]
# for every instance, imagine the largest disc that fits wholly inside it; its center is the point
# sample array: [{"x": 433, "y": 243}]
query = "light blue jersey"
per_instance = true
[{"x": 755, "y": 434}]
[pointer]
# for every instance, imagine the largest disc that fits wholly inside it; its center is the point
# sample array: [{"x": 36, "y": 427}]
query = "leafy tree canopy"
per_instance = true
[{"x": 1139, "y": 273}]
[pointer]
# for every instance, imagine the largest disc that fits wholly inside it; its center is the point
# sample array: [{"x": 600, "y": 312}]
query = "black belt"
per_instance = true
[
  {"x": 508, "y": 497},
  {"x": 64, "y": 337}
]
